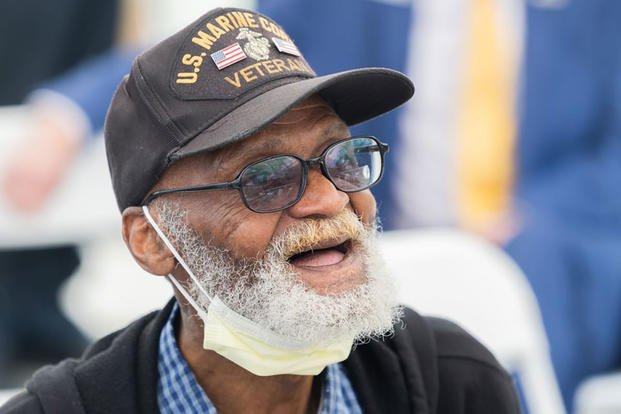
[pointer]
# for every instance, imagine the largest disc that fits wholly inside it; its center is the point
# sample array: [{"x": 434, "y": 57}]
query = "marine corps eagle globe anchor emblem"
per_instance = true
[{"x": 257, "y": 47}]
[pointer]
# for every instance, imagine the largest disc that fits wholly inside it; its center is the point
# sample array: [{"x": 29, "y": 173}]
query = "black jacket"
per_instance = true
[{"x": 429, "y": 366}]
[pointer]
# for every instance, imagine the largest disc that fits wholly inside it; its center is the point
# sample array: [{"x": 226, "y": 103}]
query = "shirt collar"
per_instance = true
[{"x": 179, "y": 392}]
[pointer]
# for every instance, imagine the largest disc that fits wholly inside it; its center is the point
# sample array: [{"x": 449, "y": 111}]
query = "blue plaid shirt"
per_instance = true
[{"x": 178, "y": 391}]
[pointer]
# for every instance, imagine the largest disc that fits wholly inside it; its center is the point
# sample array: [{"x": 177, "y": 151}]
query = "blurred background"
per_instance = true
[{"x": 504, "y": 167}]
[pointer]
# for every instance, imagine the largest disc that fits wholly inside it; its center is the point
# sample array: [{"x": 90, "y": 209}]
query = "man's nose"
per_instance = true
[{"x": 320, "y": 199}]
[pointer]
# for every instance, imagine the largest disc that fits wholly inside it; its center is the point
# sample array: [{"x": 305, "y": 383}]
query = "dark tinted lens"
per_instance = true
[
  {"x": 271, "y": 184},
  {"x": 355, "y": 164}
]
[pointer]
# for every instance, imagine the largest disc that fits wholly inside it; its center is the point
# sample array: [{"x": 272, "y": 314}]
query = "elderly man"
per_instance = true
[{"x": 238, "y": 181}]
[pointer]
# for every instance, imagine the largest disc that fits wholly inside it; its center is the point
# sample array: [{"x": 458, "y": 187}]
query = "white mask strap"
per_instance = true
[
  {"x": 187, "y": 297},
  {"x": 179, "y": 259}
]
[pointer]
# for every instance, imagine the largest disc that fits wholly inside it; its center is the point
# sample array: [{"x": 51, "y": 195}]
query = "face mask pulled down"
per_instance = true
[{"x": 261, "y": 317}]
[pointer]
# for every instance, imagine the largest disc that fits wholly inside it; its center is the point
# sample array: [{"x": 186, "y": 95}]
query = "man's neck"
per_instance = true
[{"x": 232, "y": 389}]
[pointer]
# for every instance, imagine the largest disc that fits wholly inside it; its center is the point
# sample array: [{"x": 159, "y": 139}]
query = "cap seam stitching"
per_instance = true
[{"x": 158, "y": 107}]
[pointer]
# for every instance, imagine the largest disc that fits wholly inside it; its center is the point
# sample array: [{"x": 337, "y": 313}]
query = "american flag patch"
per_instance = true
[
  {"x": 284, "y": 46},
  {"x": 227, "y": 56}
]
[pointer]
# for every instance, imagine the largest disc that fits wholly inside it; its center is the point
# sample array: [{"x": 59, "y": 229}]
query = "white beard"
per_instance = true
[{"x": 268, "y": 291}]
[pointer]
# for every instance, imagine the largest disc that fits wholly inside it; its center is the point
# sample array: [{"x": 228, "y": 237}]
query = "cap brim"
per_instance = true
[{"x": 356, "y": 96}]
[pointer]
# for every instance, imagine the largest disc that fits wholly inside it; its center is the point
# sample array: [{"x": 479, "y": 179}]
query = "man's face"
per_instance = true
[
  {"x": 328, "y": 266},
  {"x": 310, "y": 272}
]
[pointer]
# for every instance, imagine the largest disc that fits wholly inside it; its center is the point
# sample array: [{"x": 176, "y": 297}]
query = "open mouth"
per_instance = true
[{"x": 322, "y": 255}]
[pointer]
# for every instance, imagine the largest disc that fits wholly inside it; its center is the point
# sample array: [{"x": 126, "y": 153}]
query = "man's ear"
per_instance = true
[{"x": 148, "y": 249}]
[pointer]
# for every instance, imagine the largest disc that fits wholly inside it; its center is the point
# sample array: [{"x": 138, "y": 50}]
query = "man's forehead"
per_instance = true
[
  {"x": 313, "y": 117},
  {"x": 304, "y": 111}
]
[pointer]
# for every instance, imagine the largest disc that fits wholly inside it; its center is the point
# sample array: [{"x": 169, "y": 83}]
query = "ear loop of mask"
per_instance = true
[{"x": 172, "y": 249}]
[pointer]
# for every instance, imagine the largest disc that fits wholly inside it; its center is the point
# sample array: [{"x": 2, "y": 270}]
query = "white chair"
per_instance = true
[
  {"x": 6, "y": 395},
  {"x": 451, "y": 274},
  {"x": 599, "y": 394}
]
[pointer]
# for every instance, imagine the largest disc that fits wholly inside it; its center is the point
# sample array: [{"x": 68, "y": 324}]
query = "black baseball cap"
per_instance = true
[{"x": 217, "y": 81}]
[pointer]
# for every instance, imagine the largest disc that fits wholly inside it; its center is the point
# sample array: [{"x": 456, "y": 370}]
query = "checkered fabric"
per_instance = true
[{"x": 178, "y": 391}]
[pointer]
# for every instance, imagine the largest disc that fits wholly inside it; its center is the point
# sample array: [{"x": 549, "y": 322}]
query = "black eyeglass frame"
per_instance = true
[{"x": 306, "y": 164}]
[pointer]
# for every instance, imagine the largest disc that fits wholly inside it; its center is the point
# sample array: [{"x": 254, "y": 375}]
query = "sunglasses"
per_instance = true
[{"x": 278, "y": 182}]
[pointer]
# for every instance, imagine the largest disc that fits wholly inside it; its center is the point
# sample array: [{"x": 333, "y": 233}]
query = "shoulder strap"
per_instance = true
[
  {"x": 418, "y": 341},
  {"x": 399, "y": 373},
  {"x": 117, "y": 374},
  {"x": 127, "y": 367},
  {"x": 470, "y": 379},
  {"x": 56, "y": 389}
]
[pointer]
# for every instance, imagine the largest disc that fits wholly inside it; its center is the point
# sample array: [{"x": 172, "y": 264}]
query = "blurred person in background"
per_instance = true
[
  {"x": 73, "y": 104},
  {"x": 515, "y": 135},
  {"x": 41, "y": 40}
]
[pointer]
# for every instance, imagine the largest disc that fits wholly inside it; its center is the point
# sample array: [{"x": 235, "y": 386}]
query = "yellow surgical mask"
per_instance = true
[{"x": 250, "y": 345}]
